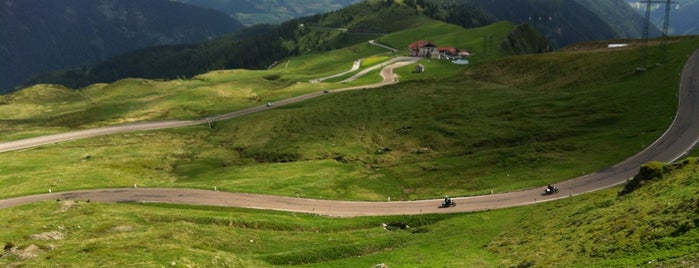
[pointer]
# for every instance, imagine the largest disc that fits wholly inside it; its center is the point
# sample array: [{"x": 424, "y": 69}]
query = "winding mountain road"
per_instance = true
[
  {"x": 355, "y": 66},
  {"x": 357, "y": 63},
  {"x": 682, "y": 135},
  {"x": 387, "y": 75}
]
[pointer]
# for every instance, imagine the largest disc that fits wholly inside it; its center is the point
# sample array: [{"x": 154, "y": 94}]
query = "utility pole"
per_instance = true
[
  {"x": 644, "y": 49},
  {"x": 666, "y": 26},
  {"x": 643, "y": 64}
]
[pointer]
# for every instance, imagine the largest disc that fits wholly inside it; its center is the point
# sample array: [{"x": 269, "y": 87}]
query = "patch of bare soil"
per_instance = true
[
  {"x": 52, "y": 235},
  {"x": 122, "y": 229},
  {"x": 28, "y": 252},
  {"x": 65, "y": 205}
]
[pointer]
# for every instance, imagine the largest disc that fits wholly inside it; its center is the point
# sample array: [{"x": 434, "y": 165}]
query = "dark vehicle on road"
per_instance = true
[
  {"x": 448, "y": 202},
  {"x": 550, "y": 189}
]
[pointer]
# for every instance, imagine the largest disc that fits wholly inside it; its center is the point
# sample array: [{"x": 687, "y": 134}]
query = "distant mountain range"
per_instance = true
[
  {"x": 684, "y": 18},
  {"x": 562, "y": 22},
  {"x": 42, "y": 35},
  {"x": 251, "y": 12}
]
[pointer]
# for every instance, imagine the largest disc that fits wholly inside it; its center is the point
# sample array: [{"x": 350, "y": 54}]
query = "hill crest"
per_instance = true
[{"x": 40, "y": 36}]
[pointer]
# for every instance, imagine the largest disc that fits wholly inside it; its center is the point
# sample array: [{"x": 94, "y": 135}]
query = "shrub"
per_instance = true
[{"x": 649, "y": 171}]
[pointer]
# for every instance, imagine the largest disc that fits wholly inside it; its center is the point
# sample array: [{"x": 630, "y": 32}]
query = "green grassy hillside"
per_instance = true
[
  {"x": 52, "y": 108},
  {"x": 655, "y": 226},
  {"x": 501, "y": 124},
  {"x": 262, "y": 46},
  {"x": 562, "y": 22},
  {"x": 446, "y": 35},
  {"x": 256, "y": 47}
]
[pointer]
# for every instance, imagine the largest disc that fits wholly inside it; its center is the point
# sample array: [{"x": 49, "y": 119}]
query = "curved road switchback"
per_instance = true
[
  {"x": 682, "y": 135},
  {"x": 355, "y": 65},
  {"x": 372, "y": 68},
  {"x": 391, "y": 50}
]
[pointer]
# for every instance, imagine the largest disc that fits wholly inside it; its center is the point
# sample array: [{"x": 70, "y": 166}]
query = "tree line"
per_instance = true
[{"x": 254, "y": 48}]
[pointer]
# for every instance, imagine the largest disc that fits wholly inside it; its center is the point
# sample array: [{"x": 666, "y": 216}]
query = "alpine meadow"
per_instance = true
[{"x": 345, "y": 109}]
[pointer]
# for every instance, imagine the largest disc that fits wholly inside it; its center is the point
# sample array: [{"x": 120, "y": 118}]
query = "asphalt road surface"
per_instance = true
[
  {"x": 386, "y": 73},
  {"x": 682, "y": 135}
]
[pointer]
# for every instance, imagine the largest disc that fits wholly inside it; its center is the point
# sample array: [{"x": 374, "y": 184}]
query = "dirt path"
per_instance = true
[{"x": 682, "y": 135}]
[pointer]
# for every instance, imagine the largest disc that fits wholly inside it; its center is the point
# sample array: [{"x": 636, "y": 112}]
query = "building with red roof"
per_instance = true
[
  {"x": 428, "y": 49},
  {"x": 423, "y": 48}
]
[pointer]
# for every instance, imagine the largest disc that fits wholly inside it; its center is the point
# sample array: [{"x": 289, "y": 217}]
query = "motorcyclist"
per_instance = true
[
  {"x": 447, "y": 200},
  {"x": 550, "y": 188}
]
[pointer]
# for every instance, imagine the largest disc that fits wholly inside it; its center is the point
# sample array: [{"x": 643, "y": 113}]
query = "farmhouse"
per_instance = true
[
  {"x": 423, "y": 48},
  {"x": 451, "y": 52},
  {"x": 428, "y": 49}
]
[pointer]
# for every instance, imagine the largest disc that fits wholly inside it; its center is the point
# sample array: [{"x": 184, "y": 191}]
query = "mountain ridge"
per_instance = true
[
  {"x": 38, "y": 36},
  {"x": 596, "y": 229},
  {"x": 251, "y": 12},
  {"x": 563, "y": 22},
  {"x": 261, "y": 46},
  {"x": 682, "y": 21}
]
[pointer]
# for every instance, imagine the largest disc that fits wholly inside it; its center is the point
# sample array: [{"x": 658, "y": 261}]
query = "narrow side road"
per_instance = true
[{"x": 355, "y": 65}]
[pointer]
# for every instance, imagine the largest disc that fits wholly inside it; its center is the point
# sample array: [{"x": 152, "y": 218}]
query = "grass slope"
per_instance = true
[
  {"x": 91, "y": 235},
  {"x": 474, "y": 40},
  {"x": 655, "y": 225},
  {"x": 503, "y": 125}
]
